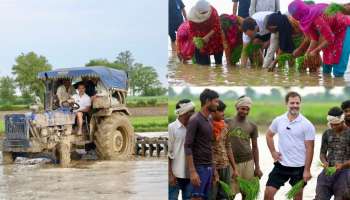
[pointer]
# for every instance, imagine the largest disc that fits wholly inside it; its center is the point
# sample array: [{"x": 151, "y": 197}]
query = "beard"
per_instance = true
[
  {"x": 212, "y": 108},
  {"x": 294, "y": 111}
]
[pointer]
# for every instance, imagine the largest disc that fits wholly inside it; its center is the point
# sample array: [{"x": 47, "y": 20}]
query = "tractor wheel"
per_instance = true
[
  {"x": 64, "y": 152},
  {"x": 7, "y": 158},
  {"x": 114, "y": 137}
]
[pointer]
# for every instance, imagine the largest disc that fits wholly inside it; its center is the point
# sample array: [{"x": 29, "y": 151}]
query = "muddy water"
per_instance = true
[
  {"x": 126, "y": 180},
  {"x": 190, "y": 74}
]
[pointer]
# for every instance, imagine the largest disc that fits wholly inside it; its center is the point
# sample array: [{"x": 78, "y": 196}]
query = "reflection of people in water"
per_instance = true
[{"x": 65, "y": 91}]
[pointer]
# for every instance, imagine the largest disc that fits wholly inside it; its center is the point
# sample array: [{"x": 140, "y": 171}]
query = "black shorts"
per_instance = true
[
  {"x": 281, "y": 174},
  {"x": 263, "y": 38}
]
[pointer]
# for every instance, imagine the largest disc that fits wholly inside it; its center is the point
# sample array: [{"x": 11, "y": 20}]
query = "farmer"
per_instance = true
[
  {"x": 345, "y": 106},
  {"x": 293, "y": 158},
  {"x": 243, "y": 8},
  {"x": 198, "y": 146},
  {"x": 204, "y": 23},
  {"x": 255, "y": 32},
  {"x": 287, "y": 37},
  {"x": 84, "y": 101},
  {"x": 335, "y": 152},
  {"x": 178, "y": 171},
  {"x": 243, "y": 135},
  {"x": 65, "y": 91},
  {"x": 177, "y": 14},
  {"x": 222, "y": 154},
  {"x": 329, "y": 33}
]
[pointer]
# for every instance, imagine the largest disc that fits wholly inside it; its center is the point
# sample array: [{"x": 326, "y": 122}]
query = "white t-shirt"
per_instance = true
[
  {"x": 291, "y": 138},
  {"x": 84, "y": 101},
  {"x": 261, "y": 20},
  {"x": 176, "y": 149}
]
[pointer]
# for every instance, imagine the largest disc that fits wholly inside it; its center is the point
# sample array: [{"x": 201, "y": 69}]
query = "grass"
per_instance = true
[
  {"x": 146, "y": 101},
  {"x": 149, "y": 123},
  {"x": 263, "y": 113},
  {"x": 7, "y": 107},
  {"x": 140, "y": 124}
]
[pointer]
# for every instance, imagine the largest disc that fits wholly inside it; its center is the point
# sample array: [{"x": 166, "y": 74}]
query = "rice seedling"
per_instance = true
[
  {"x": 297, "y": 41},
  {"x": 236, "y": 54},
  {"x": 333, "y": 9},
  {"x": 295, "y": 189},
  {"x": 227, "y": 189},
  {"x": 283, "y": 58},
  {"x": 329, "y": 171},
  {"x": 251, "y": 49},
  {"x": 226, "y": 23},
  {"x": 198, "y": 42},
  {"x": 250, "y": 188}
]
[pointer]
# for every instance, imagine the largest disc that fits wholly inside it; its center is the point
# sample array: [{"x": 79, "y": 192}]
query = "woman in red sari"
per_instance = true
[{"x": 204, "y": 22}]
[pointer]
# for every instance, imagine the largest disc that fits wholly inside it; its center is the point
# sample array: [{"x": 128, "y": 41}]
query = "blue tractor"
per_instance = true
[{"x": 53, "y": 130}]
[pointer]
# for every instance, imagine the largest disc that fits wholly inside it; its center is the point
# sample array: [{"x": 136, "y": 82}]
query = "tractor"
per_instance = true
[{"x": 52, "y": 129}]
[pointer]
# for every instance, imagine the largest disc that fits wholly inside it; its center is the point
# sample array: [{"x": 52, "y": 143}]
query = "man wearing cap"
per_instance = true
[
  {"x": 179, "y": 178},
  {"x": 293, "y": 159},
  {"x": 243, "y": 135},
  {"x": 335, "y": 152},
  {"x": 65, "y": 91}
]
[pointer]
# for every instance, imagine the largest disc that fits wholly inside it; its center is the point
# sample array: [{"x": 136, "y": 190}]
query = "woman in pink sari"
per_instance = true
[{"x": 329, "y": 33}]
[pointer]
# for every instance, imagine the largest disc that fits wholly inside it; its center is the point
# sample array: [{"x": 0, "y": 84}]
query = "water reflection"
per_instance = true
[{"x": 180, "y": 74}]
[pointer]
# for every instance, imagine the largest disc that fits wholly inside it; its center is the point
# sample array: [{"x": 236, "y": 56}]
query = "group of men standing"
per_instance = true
[{"x": 204, "y": 148}]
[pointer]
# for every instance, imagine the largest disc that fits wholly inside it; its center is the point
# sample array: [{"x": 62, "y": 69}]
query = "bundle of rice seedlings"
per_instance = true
[
  {"x": 333, "y": 9},
  {"x": 251, "y": 49},
  {"x": 283, "y": 58},
  {"x": 250, "y": 188},
  {"x": 297, "y": 41},
  {"x": 198, "y": 42},
  {"x": 330, "y": 171},
  {"x": 194, "y": 60},
  {"x": 295, "y": 189},
  {"x": 225, "y": 22},
  {"x": 300, "y": 62},
  {"x": 227, "y": 189},
  {"x": 236, "y": 54}
]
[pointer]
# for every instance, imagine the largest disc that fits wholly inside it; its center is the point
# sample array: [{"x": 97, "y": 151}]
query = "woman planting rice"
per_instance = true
[
  {"x": 204, "y": 24},
  {"x": 232, "y": 37},
  {"x": 329, "y": 33},
  {"x": 287, "y": 38}
]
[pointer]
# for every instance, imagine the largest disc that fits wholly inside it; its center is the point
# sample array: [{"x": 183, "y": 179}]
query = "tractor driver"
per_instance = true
[
  {"x": 84, "y": 101},
  {"x": 65, "y": 91}
]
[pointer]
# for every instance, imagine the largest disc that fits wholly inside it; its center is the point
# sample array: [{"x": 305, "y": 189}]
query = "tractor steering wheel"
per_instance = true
[{"x": 71, "y": 105}]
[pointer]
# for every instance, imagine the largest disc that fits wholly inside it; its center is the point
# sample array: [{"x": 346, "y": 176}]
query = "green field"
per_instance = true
[
  {"x": 264, "y": 112},
  {"x": 140, "y": 124}
]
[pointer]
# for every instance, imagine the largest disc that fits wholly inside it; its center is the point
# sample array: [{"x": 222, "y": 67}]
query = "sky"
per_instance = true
[{"x": 70, "y": 33}]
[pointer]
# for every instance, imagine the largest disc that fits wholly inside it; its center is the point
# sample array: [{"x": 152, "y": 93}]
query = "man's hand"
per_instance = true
[
  {"x": 296, "y": 53},
  {"x": 277, "y": 156},
  {"x": 216, "y": 177},
  {"x": 206, "y": 39},
  {"x": 258, "y": 173},
  {"x": 325, "y": 164},
  {"x": 235, "y": 173},
  {"x": 195, "y": 180},
  {"x": 307, "y": 175},
  {"x": 339, "y": 166},
  {"x": 172, "y": 179}
]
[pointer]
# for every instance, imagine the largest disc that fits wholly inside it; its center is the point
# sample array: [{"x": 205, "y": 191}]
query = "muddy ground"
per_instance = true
[{"x": 141, "y": 178}]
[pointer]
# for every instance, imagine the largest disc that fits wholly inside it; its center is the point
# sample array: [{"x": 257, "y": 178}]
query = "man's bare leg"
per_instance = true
[
  {"x": 80, "y": 122},
  {"x": 270, "y": 193}
]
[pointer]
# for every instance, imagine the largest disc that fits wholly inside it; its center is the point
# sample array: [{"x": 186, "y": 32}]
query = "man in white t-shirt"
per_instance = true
[
  {"x": 84, "y": 101},
  {"x": 178, "y": 171},
  {"x": 293, "y": 159},
  {"x": 255, "y": 31}
]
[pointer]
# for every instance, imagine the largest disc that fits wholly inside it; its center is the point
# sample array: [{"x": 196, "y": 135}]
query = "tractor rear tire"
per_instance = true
[
  {"x": 114, "y": 138},
  {"x": 7, "y": 157}
]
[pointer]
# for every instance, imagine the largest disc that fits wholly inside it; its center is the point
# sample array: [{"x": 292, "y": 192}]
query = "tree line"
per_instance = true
[{"x": 143, "y": 80}]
